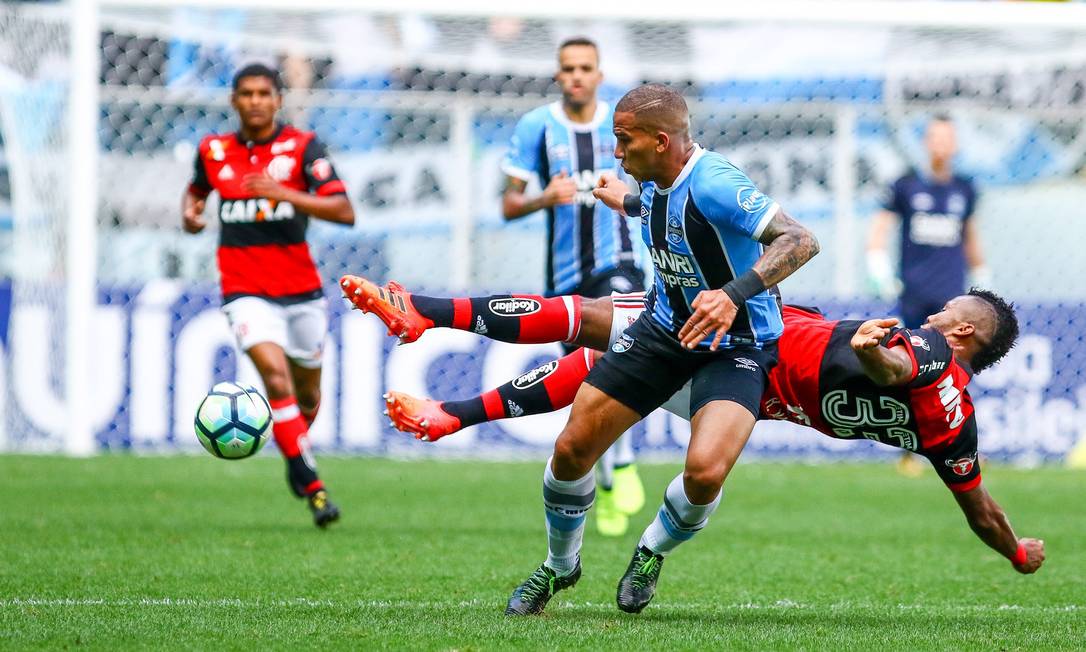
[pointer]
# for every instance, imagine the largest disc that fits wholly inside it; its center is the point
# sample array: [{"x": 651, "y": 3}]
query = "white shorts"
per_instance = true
[
  {"x": 625, "y": 309},
  {"x": 299, "y": 328}
]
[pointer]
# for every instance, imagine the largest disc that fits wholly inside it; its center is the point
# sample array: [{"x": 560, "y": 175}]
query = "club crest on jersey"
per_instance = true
[
  {"x": 624, "y": 344},
  {"x": 674, "y": 230},
  {"x": 750, "y": 199},
  {"x": 255, "y": 210},
  {"x": 514, "y": 306},
  {"x": 281, "y": 167},
  {"x": 962, "y": 465},
  {"x": 535, "y": 375},
  {"x": 916, "y": 340}
]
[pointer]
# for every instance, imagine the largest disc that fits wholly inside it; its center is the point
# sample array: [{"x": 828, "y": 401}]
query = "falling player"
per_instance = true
[
  {"x": 851, "y": 379},
  {"x": 271, "y": 178}
]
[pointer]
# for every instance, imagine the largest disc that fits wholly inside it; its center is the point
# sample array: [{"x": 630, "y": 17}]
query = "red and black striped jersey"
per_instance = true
[
  {"x": 262, "y": 248},
  {"x": 820, "y": 383}
]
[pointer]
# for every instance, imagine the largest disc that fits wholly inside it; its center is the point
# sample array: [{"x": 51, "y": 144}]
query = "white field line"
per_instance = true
[{"x": 200, "y": 603}]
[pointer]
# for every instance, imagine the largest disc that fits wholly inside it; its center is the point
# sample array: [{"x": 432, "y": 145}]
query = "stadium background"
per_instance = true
[{"x": 417, "y": 108}]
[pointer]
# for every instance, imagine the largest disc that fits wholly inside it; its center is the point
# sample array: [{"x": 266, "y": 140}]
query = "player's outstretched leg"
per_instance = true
[
  {"x": 566, "y": 502},
  {"x": 521, "y": 318},
  {"x": 548, "y": 387},
  {"x": 678, "y": 520}
]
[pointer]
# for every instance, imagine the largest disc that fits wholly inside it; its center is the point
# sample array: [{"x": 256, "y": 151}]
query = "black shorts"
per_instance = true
[
  {"x": 623, "y": 279},
  {"x": 647, "y": 365}
]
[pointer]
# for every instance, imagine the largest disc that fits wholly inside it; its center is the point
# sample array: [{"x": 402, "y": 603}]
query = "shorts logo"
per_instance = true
[
  {"x": 746, "y": 363},
  {"x": 916, "y": 340},
  {"x": 674, "y": 230},
  {"x": 962, "y": 465},
  {"x": 514, "y": 307},
  {"x": 531, "y": 378},
  {"x": 623, "y": 344},
  {"x": 750, "y": 199}
]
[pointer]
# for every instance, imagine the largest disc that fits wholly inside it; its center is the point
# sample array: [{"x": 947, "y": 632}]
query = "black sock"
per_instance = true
[
  {"x": 439, "y": 311},
  {"x": 470, "y": 411}
]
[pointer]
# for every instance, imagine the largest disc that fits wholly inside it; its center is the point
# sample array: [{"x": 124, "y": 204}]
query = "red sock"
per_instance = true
[
  {"x": 520, "y": 318},
  {"x": 546, "y": 388},
  {"x": 288, "y": 426}
]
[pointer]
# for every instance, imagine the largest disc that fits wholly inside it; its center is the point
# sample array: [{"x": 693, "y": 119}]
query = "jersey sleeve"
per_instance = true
[
  {"x": 889, "y": 198},
  {"x": 971, "y": 201},
  {"x": 929, "y": 351},
  {"x": 199, "y": 185},
  {"x": 729, "y": 200},
  {"x": 522, "y": 159},
  {"x": 957, "y": 463},
  {"x": 320, "y": 175}
]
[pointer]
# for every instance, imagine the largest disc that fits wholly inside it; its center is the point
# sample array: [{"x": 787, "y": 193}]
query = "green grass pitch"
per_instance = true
[{"x": 121, "y": 552}]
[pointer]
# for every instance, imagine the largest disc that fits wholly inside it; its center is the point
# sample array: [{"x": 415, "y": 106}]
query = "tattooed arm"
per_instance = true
[{"x": 788, "y": 246}]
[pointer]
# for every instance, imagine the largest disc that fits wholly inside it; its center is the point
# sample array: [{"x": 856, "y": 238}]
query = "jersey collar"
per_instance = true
[
  {"x": 685, "y": 172},
  {"x": 603, "y": 109},
  {"x": 278, "y": 130}
]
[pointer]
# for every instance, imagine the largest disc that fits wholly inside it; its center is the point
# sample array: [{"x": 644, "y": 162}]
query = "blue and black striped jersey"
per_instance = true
[
  {"x": 702, "y": 232},
  {"x": 585, "y": 238}
]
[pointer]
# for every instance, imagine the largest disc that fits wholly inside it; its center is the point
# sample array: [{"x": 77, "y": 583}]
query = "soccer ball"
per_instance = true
[{"x": 233, "y": 421}]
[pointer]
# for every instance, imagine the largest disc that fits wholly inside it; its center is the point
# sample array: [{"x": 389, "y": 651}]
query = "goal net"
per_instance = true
[{"x": 823, "y": 108}]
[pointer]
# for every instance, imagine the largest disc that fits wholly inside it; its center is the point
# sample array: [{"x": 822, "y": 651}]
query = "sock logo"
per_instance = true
[
  {"x": 480, "y": 326},
  {"x": 535, "y": 375},
  {"x": 514, "y": 410},
  {"x": 514, "y": 306}
]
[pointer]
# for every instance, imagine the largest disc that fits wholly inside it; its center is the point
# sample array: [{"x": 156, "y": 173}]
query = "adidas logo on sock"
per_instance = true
[
  {"x": 515, "y": 410},
  {"x": 480, "y": 325}
]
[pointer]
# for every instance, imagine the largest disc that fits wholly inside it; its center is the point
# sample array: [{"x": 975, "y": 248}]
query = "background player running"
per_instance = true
[
  {"x": 566, "y": 145},
  {"x": 270, "y": 178},
  {"x": 847, "y": 379}
]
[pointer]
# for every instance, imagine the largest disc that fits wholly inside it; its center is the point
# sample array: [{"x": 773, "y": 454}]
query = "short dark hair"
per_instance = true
[
  {"x": 657, "y": 106},
  {"x": 258, "y": 70},
  {"x": 1005, "y": 334},
  {"x": 579, "y": 40}
]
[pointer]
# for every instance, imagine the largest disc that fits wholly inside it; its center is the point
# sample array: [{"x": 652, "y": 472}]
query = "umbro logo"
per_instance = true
[{"x": 746, "y": 363}]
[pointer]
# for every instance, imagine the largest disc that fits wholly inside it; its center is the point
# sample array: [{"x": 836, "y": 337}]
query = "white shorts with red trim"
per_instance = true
[{"x": 298, "y": 328}]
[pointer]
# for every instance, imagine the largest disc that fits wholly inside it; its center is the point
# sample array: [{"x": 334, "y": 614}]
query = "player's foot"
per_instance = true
[
  {"x": 535, "y": 592},
  {"x": 909, "y": 465},
  {"x": 610, "y": 521},
  {"x": 421, "y": 416},
  {"x": 391, "y": 304},
  {"x": 629, "y": 492},
  {"x": 638, "y": 585},
  {"x": 324, "y": 510}
]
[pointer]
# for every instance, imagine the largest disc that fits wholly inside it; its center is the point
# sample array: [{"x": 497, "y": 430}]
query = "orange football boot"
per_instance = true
[
  {"x": 391, "y": 304},
  {"x": 421, "y": 416}
]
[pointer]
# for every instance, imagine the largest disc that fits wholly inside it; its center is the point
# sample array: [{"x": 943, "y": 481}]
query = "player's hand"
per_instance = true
[
  {"x": 611, "y": 191},
  {"x": 714, "y": 310},
  {"x": 192, "y": 219},
  {"x": 561, "y": 190},
  {"x": 871, "y": 332},
  {"x": 262, "y": 185},
  {"x": 1035, "y": 555}
]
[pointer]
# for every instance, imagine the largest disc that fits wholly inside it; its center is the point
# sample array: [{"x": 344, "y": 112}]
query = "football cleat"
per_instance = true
[
  {"x": 638, "y": 584},
  {"x": 629, "y": 492},
  {"x": 391, "y": 304},
  {"x": 610, "y": 520},
  {"x": 422, "y": 417},
  {"x": 324, "y": 510},
  {"x": 532, "y": 596}
]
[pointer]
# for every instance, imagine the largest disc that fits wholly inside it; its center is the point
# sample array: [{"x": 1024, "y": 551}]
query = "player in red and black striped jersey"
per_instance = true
[
  {"x": 847, "y": 379},
  {"x": 271, "y": 178}
]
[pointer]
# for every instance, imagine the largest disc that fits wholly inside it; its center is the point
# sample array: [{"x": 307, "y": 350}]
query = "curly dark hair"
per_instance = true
[{"x": 1005, "y": 334}]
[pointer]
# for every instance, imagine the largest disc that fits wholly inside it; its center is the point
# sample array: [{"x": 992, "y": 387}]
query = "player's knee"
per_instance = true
[
  {"x": 572, "y": 458},
  {"x": 308, "y": 397},
  {"x": 277, "y": 382},
  {"x": 703, "y": 483}
]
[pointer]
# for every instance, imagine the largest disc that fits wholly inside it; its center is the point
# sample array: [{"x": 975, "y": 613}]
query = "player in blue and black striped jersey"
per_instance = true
[
  {"x": 566, "y": 145},
  {"x": 717, "y": 244}
]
